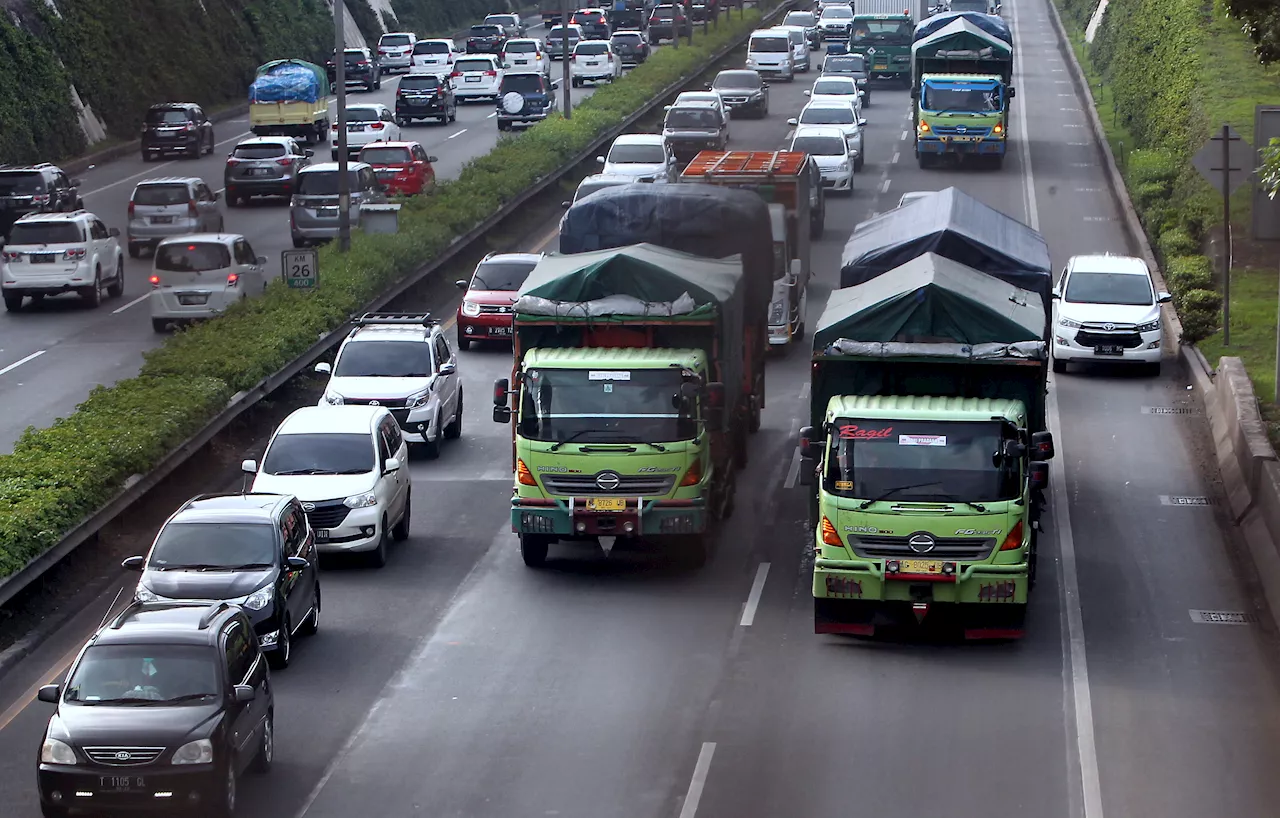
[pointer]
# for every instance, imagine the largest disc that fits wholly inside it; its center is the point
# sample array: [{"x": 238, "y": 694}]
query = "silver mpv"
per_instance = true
[
  {"x": 171, "y": 206},
  {"x": 313, "y": 212}
]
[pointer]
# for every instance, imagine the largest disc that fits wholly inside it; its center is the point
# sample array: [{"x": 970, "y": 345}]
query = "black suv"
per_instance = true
[
  {"x": 537, "y": 98},
  {"x": 167, "y": 704},
  {"x": 361, "y": 67},
  {"x": 42, "y": 188},
  {"x": 176, "y": 127},
  {"x": 253, "y": 550},
  {"x": 668, "y": 21},
  {"x": 486, "y": 39},
  {"x": 425, "y": 96}
]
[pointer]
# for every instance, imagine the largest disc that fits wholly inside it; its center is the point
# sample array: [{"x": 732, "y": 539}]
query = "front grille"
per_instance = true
[
  {"x": 630, "y": 485},
  {"x": 735, "y": 100},
  {"x": 1128, "y": 340},
  {"x": 494, "y": 309},
  {"x": 955, "y": 130},
  {"x": 327, "y": 513},
  {"x": 123, "y": 756},
  {"x": 946, "y": 548},
  {"x": 390, "y": 403}
]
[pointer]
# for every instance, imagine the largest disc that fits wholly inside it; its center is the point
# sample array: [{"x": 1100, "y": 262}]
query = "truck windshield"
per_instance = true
[
  {"x": 980, "y": 6},
  {"x": 918, "y": 461},
  {"x": 889, "y": 32},
  {"x": 942, "y": 98},
  {"x": 604, "y": 406}
]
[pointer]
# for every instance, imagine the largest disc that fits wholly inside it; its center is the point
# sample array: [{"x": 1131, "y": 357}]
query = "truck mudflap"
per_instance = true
[
  {"x": 608, "y": 516},
  {"x": 858, "y": 596}
]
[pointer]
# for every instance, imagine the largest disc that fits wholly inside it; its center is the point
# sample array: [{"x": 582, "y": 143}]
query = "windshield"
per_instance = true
[
  {"x": 182, "y": 257},
  {"x": 590, "y": 17},
  {"x": 889, "y": 32},
  {"x": 420, "y": 82},
  {"x": 835, "y": 87},
  {"x": 167, "y": 117},
  {"x": 773, "y": 45},
  {"x": 486, "y": 31},
  {"x": 260, "y": 151},
  {"x": 161, "y": 195},
  {"x": 214, "y": 545},
  {"x": 324, "y": 183},
  {"x": 463, "y": 66},
  {"x": 819, "y": 145},
  {"x": 45, "y": 233},
  {"x": 386, "y": 156},
  {"x": 321, "y": 453},
  {"x": 1109, "y": 288},
  {"x": 664, "y": 12},
  {"x": 432, "y": 48},
  {"x": 592, "y": 49},
  {"x": 837, "y": 13},
  {"x": 18, "y": 183},
  {"x": 384, "y": 359},
  {"x": 523, "y": 83},
  {"x": 144, "y": 674},
  {"x": 525, "y": 47},
  {"x": 852, "y": 64},
  {"x": 504, "y": 276},
  {"x": 800, "y": 18},
  {"x": 363, "y": 114},
  {"x": 968, "y": 5},
  {"x": 603, "y": 406},
  {"x": 832, "y": 115},
  {"x": 961, "y": 99},
  {"x": 637, "y": 154},
  {"x": 394, "y": 40},
  {"x": 925, "y": 461},
  {"x": 737, "y": 80},
  {"x": 353, "y": 56}
]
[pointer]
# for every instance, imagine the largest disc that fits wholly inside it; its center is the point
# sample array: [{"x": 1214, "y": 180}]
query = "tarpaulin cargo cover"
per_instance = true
[
  {"x": 289, "y": 81},
  {"x": 989, "y": 23}
]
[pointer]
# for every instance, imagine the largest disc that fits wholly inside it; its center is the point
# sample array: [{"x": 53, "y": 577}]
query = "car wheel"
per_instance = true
[
  {"x": 378, "y": 556},
  {"x": 431, "y": 448},
  {"x": 400, "y": 532},
  {"x": 92, "y": 295},
  {"x": 12, "y": 303},
  {"x": 266, "y": 748},
  {"x": 299, "y": 243},
  {"x": 1059, "y": 366},
  {"x": 134, "y": 251},
  {"x": 533, "y": 550},
  {"x": 1153, "y": 370},
  {"x": 116, "y": 288},
  {"x": 401, "y": 122},
  {"x": 454, "y": 430},
  {"x": 279, "y": 658},
  {"x": 159, "y": 324},
  {"x": 312, "y": 624},
  {"x": 453, "y": 113},
  {"x": 224, "y": 803},
  {"x": 857, "y": 164},
  {"x": 146, "y": 157},
  {"x": 211, "y": 144},
  {"x": 464, "y": 342}
]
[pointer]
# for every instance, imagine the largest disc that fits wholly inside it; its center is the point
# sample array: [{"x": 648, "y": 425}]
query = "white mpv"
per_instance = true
[{"x": 1106, "y": 309}]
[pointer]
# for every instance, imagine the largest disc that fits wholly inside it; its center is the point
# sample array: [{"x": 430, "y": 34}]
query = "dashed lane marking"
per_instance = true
[
  {"x": 903, "y": 138},
  {"x": 793, "y": 473},
  {"x": 884, "y": 187},
  {"x": 19, "y": 363},
  {"x": 132, "y": 303},
  {"x": 699, "y": 780},
  {"x": 753, "y": 598},
  {"x": 896, "y": 157},
  {"x": 459, "y": 133}
]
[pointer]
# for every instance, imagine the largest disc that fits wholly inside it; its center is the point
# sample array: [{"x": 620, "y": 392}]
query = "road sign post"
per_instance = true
[
  {"x": 300, "y": 269},
  {"x": 1226, "y": 162}
]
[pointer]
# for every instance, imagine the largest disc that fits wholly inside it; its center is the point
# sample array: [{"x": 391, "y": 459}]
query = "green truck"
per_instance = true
[
  {"x": 961, "y": 88},
  {"x": 881, "y": 32},
  {"x": 632, "y": 393},
  {"x": 927, "y": 450}
]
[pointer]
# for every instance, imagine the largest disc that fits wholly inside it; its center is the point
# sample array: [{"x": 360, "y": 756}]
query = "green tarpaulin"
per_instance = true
[{"x": 645, "y": 272}]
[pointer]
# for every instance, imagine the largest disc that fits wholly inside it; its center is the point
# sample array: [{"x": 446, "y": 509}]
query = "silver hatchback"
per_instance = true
[
  {"x": 313, "y": 213},
  {"x": 263, "y": 166},
  {"x": 170, "y": 206}
]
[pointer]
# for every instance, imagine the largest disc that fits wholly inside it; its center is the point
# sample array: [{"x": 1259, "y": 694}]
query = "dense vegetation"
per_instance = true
[{"x": 1261, "y": 20}]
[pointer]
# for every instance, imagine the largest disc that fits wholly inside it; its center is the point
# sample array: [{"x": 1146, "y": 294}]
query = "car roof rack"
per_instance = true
[
  {"x": 403, "y": 319},
  {"x": 213, "y": 612}
]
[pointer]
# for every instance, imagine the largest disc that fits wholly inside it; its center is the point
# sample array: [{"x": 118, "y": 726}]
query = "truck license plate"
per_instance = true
[
  {"x": 606, "y": 504},
  {"x": 322, "y": 534},
  {"x": 921, "y": 567},
  {"x": 121, "y": 783},
  {"x": 1108, "y": 349}
]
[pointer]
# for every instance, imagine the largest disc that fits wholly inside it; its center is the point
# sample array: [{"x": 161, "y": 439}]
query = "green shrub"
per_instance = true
[
  {"x": 1148, "y": 194},
  {"x": 1176, "y": 242},
  {"x": 1185, "y": 274},
  {"x": 57, "y": 476},
  {"x": 1201, "y": 314},
  {"x": 1145, "y": 166}
]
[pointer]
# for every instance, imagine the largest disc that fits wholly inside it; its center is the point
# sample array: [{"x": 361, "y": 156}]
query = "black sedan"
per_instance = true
[
  {"x": 486, "y": 39},
  {"x": 743, "y": 90}
]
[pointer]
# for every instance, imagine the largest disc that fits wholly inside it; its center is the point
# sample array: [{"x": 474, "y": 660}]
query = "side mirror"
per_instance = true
[
  {"x": 808, "y": 93},
  {"x": 249, "y": 466},
  {"x": 297, "y": 564},
  {"x": 114, "y": 232},
  {"x": 217, "y": 197},
  {"x": 793, "y": 121},
  {"x": 1039, "y": 476},
  {"x": 133, "y": 563},
  {"x": 1163, "y": 298},
  {"x": 501, "y": 414},
  {"x": 810, "y": 447},
  {"x": 433, "y": 159},
  {"x": 323, "y": 368},
  {"x": 862, "y": 122},
  {"x": 600, "y": 160},
  {"x": 1055, "y": 294},
  {"x": 261, "y": 261},
  {"x": 244, "y": 694},
  {"x": 49, "y": 693},
  {"x": 1042, "y": 446},
  {"x": 308, "y": 153},
  {"x": 447, "y": 369},
  {"x": 1013, "y": 92},
  {"x": 501, "y": 388},
  {"x": 666, "y": 107},
  {"x": 915, "y": 93},
  {"x": 566, "y": 205},
  {"x": 392, "y": 465}
]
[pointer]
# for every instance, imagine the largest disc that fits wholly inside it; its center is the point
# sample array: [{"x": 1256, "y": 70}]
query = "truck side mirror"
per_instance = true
[
  {"x": 1042, "y": 446},
  {"x": 1013, "y": 92},
  {"x": 810, "y": 448},
  {"x": 1039, "y": 476},
  {"x": 501, "y": 414},
  {"x": 715, "y": 395},
  {"x": 501, "y": 387},
  {"x": 915, "y": 93}
]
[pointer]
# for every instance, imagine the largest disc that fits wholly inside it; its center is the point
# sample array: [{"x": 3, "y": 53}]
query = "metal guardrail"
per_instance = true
[{"x": 138, "y": 486}]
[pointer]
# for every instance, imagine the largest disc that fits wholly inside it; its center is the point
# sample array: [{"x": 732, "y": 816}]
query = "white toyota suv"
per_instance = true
[
  {"x": 52, "y": 253},
  {"x": 642, "y": 156},
  {"x": 404, "y": 363},
  {"x": 1106, "y": 309},
  {"x": 349, "y": 467}
]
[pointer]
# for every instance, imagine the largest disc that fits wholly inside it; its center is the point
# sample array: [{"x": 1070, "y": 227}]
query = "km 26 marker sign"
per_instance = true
[{"x": 301, "y": 269}]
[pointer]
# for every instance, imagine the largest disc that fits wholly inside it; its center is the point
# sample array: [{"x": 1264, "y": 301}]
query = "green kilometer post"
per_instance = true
[{"x": 300, "y": 269}]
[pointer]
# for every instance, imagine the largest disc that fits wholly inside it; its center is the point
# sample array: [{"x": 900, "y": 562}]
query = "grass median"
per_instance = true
[{"x": 57, "y": 476}]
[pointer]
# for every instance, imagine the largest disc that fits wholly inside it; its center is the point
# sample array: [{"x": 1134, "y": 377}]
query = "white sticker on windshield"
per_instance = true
[
  {"x": 922, "y": 440},
  {"x": 608, "y": 375}
]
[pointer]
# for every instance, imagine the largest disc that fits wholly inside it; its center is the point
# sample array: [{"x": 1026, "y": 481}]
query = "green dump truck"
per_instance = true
[
  {"x": 881, "y": 32},
  {"x": 961, "y": 87},
  {"x": 927, "y": 450},
  {"x": 290, "y": 98},
  {"x": 630, "y": 399}
]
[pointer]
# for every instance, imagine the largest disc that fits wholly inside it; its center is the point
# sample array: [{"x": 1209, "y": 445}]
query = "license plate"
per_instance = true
[
  {"x": 42, "y": 258},
  {"x": 1108, "y": 349},
  {"x": 472, "y": 79},
  {"x": 322, "y": 534},
  {"x": 355, "y": 128},
  {"x": 121, "y": 783},
  {"x": 499, "y": 330},
  {"x": 522, "y": 62},
  {"x": 920, "y": 567},
  {"x": 258, "y": 172},
  {"x": 606, "y": 504},
  {"x": 327, "y": 212},
  {"x": 162, "y": 220},
  {"x": 193, "y": 299}
]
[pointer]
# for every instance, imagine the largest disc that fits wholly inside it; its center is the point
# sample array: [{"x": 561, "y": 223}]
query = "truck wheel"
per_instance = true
[
  {"x": 923, "y": 159},
  {"x": 1059, "y": 366},
  {"x": 1031, "y": 561},
  {"x": 533, "y": 550},
  {"x": 753, "y": 418},
  {"x": 997, "y": 161},
  {"x": 740, "y": 453}
]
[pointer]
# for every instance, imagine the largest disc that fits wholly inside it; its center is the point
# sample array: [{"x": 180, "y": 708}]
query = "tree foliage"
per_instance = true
[{"x": 1261, "y": 19}]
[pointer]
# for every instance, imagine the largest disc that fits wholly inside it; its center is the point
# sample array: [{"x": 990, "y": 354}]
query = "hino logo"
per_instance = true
[
  {"x": 308, "y": 506},
  {"x": 922, "y": 543},
  {"x": 123, "y": 756},
  {"x": 961, "y": 129},
  {"x": 608, "y": 480}
]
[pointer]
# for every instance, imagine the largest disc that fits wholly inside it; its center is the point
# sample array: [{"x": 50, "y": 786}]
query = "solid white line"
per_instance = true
[
  {"x": 753, "y": 598},
  {"x": 884, "y": 188},
  {"x": 459, "y": 133},
  {"x": 699, "y": 780},
  {"x": 793, "y": 473},
  {"x": 17, "y": 364},
  {"x": 1086, "y": 743},
  {"x": 137, "y": 300}
]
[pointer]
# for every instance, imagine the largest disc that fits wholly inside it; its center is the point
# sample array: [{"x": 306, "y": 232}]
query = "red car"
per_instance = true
[
  {"x": 403, "y": 168},
  {"x": 485, "y": 311}
]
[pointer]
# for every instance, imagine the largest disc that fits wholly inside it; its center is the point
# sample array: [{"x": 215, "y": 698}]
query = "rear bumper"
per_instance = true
[
  {"x": 641, "y": 518},
  {"x": 63, "y": 278},
  {"x": 259, "y": 187},
  {"x": 166, "y": 305},
  {"x": 145, "y": 233}
]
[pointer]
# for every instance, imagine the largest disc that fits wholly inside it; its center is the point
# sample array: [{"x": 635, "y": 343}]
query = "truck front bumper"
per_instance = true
[
  {"x": 856, "y": 596},
  {"x": 960, "y": 145},
  {"x": 640, "y": 517}
]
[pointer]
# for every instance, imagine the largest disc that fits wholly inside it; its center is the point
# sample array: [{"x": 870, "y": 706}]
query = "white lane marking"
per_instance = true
[
  {"x": 903, "y": 138},
  {"x": 17, "y": 364},
  {"x": 459, "y": 133},
  {"x": 1088, "y": 190},
  {"x": 884, "y": 188},
  {"x": 699, "y": 780},
  {"x": 152, "y": 170},
  {"x": 804, "y": 391},
  {"x": 1086, "y": 744},
  {"x": 896, "y": 157},
  {"x": 790, "y": 134},
  {"x": 793, "y": 473},
  {"x": 137, "y": 300},
  {"x": 492, "y": 115},
  {"x": 753, "y": 598}
]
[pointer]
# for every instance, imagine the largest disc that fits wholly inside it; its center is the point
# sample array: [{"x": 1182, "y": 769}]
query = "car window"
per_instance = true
[
  {"x": 395, "y": 439},
  {"x": 244, "y": 254},
  {"x": 431, "y": 48},
  {"x": 157, "y": 195},
  {"x": 833, "y": 115},
  {"x": 419, "y": 153},
  {"x": 192, "y": 257},
  {"x": 324, "y": 182},
  {"x": 166, "y": 116},
  {"x": 61, "y": 181},
  {"x": 523, "y": 84},
  {"x": 384, "y": 359},
  {"x": 463, "y": 66},
  {"x": 644, "y": 154},
  {"x": 384, "y": 447},
  {"x": 46, "y": 233},
  {"x": 363, "y": 114},
  {"x": 692, "y": 118},
  {"x": 319, "y": 453},
  {"x": 442, "y": 352},
  {"x": 394, "y": 40},
  {"x": 420, "y": 82},
  {"x": 591, "y": 49},
  {"x": 294, "y": 531},
  {"x": 524, "y": 47},
  {"x": 142, "y": 674},
  {"x": 385, "y": 156},
  {"x": 769, "y": 45},
  {"x": 820, "y": 145},
  {"x": 501, "y": 275},
  {"x": 204, "y": 193},
  {"x": 20, "y": 183},
  {"x": 262, "y": 150},
  {"x": 239, "y": 656},
  {"x": 835, "y": 87}
]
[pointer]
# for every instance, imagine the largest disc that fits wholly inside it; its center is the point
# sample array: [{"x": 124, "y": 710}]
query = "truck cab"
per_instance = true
[
  {"x": 885, "y": 41},
  {"x": 964, "y": 114}
]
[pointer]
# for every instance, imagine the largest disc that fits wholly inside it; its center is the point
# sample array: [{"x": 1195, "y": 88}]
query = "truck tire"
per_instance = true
[
  {"x": 533, "y": 550},
  {"x": 740, "y": 448},
  {"x": 753, "y": 417}
]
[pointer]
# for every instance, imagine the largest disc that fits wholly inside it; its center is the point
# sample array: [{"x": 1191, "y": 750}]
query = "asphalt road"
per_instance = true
[
  {"x": 456, "y": 682},
  {"x": 54, "y": 353}
]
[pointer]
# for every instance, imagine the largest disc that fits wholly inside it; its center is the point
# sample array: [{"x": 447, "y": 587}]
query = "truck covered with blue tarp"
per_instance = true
[{"x": 290, "y": 98}]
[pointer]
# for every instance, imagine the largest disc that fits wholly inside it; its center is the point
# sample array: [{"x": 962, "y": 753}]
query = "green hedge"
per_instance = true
[{"x": 56, "y": 476}]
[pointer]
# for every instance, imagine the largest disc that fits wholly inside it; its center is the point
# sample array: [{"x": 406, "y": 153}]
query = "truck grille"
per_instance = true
[
  {"x": 123, "y": 756},
  {"x": 629, "y": 485},
  {"x": 326, "y": 514},
  {"x": 1128, "y": 340},
  {"x": 955, "y": 130},
  {"x": 946, "y": 548}
]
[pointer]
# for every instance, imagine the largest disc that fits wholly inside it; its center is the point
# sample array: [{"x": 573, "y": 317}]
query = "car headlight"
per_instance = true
[
  {"x": 199, "y": 751},
  {"x": 145, "y": 594},
  {"x": 333, "y": 398},
  {"x": 470, "y": 309},
  {"x": 259, "y": 599},
  {"x": 361, "y": 500},
  {"x": 1068, "y": 323},
  {"x": 843, "y": 166},
  {"x": 777, "y": 312},
  {"x": 418, "y": 399},
  {"x": 1150, "y": 326},
  {"x": 57, "y": 752}
]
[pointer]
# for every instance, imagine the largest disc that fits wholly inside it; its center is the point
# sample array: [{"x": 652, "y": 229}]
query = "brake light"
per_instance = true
[
  {"x": 131, "y": 210},
  {"x": 829, "y": 534},
  {"x": 9, "y": 256},
  {"x": 231, "y": 160},
  {"x": 377, "y": 126},
  {"x": 335, "y": 127},
  {"x": 233, "y": 279},
  {"x": 155, "y": 281},
  {"x": 1014, "y": 541},
  {"x": 454, "y": 74},
  {"x": 284, "y": 163},
  {"x": 491, "y": 73},
  {"x": 694, "y": 475},
  {"x": 362, "y": 62},
  {"x": 573, "y": 58},
  {"x": 523, "y": 476},
  {"x": 191, "y": 209},
  {"x": 74, "y": 254}
]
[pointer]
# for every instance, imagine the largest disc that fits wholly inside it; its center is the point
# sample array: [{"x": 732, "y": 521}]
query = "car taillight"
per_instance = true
[
  {"x": 8, "y": 256},
  {"x": 694, "y": 475},
  {"x": 454, "y": 74},
  {"x": 377, "y": 126},
  {"x": 131, "y": 210},
  {"x": 829, "y": 534},
  {"x": 191, "y": 209},
  {"x": 491, "y": 73},
  {"x": 362, "y": 62},
  {"x": 284, "y": 163},
  {"x": 233, "y": 279},
  {"x": 40, "y": 199},
  {"x": 231, "y": 160},
  {"x": 523, "y": 475},
  {"x": 155, "y": 281},
  {"x": 573, "y": 58},
  {"x": 74, "y": 254},
  {"x": 335, "y": 126},
  {"x": 1014, "y": 541}
]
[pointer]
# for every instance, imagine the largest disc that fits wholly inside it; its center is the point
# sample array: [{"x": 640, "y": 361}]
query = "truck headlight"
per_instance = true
[
  {"x": 1150, "y": 326},
  {"x": 470, "y": 309}
]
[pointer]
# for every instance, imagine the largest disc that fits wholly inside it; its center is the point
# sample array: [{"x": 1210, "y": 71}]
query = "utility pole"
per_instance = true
[
  {"x": 1226, "y": 236},
  {"x": 567, "y": 77},
  {"x": 340, "y": 75}
]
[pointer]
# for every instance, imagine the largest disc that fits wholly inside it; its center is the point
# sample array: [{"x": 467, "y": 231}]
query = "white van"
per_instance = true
[
  {"x": 769, "y": 54},
  {"x": 200, "y": 275},
  {"x": 799, "y": 47}
]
